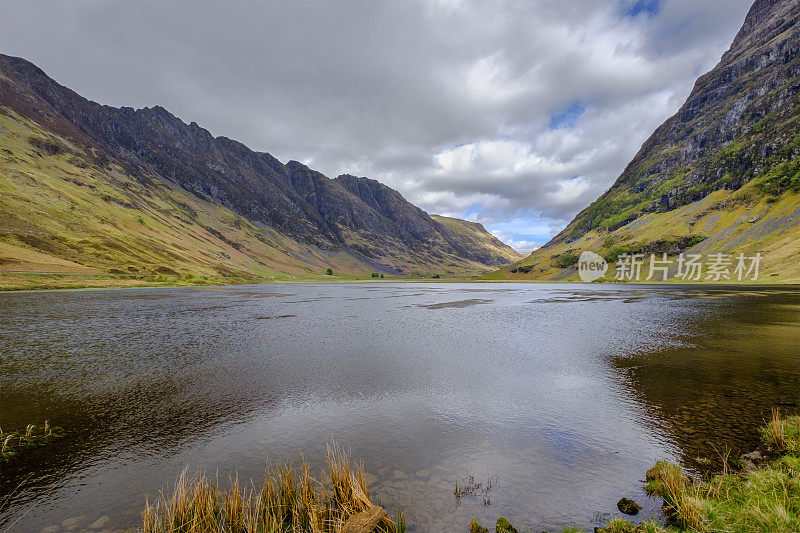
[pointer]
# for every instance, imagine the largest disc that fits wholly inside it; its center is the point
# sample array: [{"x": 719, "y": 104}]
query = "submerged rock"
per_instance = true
[
  {"x": 475, "y": 527},
  {"x": 101, "y": 522},
  {"x": 751, "y": 460},
  {"x": 629, "y": 507}
]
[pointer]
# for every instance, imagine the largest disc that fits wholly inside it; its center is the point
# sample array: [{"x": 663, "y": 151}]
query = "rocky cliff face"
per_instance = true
[
  {"x": 357, "y": 216},
  {"x": 740, "y": 122}
]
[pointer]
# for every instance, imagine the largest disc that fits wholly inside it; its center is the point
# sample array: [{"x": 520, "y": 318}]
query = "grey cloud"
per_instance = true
[{"x": 383, "y": 88}]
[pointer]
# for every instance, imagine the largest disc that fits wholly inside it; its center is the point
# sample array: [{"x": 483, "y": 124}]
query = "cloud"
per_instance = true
[{"x": 511, "y": 109}]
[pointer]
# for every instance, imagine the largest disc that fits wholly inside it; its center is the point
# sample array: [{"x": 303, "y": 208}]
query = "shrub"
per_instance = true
[{"x": 567, "y": 260}]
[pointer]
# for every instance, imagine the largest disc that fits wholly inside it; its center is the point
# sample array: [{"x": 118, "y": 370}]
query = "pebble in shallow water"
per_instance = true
[
  {"x": 101, "y": 522},
  {"x": 71, "y": 525}
]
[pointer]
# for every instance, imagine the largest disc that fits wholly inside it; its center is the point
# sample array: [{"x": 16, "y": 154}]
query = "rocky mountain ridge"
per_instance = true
[
  {"x": 361, "y": 218},
  {"x": 740, "y": 119}
]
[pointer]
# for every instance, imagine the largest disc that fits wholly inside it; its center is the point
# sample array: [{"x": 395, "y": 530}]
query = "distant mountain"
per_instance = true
[
  {"x": 721, "y": 175},
  {"x": 96, "y": 189},
  {"x": 476, "y": 236}
]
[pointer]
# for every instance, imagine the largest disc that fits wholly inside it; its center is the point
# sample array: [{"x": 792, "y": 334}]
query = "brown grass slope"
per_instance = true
[{"x": 475, "y": 234}]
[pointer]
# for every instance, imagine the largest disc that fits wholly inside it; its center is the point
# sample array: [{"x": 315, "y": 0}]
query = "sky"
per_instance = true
[{"x": 515, "y": 114}]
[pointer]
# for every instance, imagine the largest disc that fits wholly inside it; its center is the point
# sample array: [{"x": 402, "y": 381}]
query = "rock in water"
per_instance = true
[
  {"x": 750, "y": 460},
  {"x": 628, "y": 506},
  {"x": 504, "y": 526},
  {"x": 475, "y": 527}
]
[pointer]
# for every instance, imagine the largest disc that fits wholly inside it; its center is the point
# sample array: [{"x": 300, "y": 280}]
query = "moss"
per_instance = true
[{"x": 504, "y": 526}]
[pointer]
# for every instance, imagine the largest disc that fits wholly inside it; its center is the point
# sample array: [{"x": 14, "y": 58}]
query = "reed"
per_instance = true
[
  {"x": 336, "y": 502},
  {"x": 12, "y": 443}
]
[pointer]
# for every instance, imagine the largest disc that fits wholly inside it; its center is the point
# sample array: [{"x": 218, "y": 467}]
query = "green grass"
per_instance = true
[
  {"x": 782, "y": 434},
  {"x": 729, "y": 222},
  {"x": 567, "y": 260},
  {"x": 766, "y": 499}
]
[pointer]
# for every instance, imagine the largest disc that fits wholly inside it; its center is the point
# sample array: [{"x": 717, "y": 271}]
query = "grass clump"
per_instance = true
[
  {"x": 504, "y": 526},
  {"x": 766, "y": 499},
  {"x": 476, "y": 527},
  {"x": 782, "y": 434},
  {"x": 13, "y": 443},
  {"x": 336, "y": 503}
]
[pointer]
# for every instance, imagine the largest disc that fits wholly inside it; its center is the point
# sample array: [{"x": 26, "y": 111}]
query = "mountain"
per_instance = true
[
  {"x": 476, "y": 236},
  {"x": 720, "y": 176},
  {"x": 134, "y": 194}
]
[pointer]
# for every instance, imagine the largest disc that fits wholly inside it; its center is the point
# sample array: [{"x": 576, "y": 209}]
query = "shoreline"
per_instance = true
[
  {"x": 120, "y": 283},
  {"x": 757, "y": 491}
]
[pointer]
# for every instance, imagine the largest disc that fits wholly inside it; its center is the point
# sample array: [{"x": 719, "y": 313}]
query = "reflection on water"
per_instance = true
[
  {"x": 744, "y": 359},
  {"x": 563, "y": 394}
]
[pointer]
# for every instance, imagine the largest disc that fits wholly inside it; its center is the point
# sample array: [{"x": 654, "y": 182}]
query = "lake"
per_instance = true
[{"x": 562, "y": 394}]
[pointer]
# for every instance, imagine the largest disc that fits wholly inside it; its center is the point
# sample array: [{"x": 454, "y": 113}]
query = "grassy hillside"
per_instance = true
[
  {"x": 477, "y": 236},
  {"x": 730, "y": 222},
  {"x": 68, "y": 220}
]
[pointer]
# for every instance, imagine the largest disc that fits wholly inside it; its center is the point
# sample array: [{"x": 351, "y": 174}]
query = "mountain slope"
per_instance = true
[
  {"x": 75, "y": 173},
  {"x": 477, "y": 236},
  {"x": 721, "y": 175}
]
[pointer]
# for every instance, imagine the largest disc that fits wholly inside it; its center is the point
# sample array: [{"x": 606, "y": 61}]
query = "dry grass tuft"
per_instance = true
[{"x": 284, "y": 503}]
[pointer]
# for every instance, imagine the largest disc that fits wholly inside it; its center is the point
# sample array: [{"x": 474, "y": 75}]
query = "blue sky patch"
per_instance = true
[
  {"x": 567, "y": 118},
  {"x": 636, "y": 7}
]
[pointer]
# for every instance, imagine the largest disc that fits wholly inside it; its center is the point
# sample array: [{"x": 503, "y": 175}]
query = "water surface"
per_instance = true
[{"x": 564, "y": 394}]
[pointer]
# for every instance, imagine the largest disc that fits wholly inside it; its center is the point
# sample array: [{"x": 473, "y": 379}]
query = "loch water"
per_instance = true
[{"x": 562, "y": 394}]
